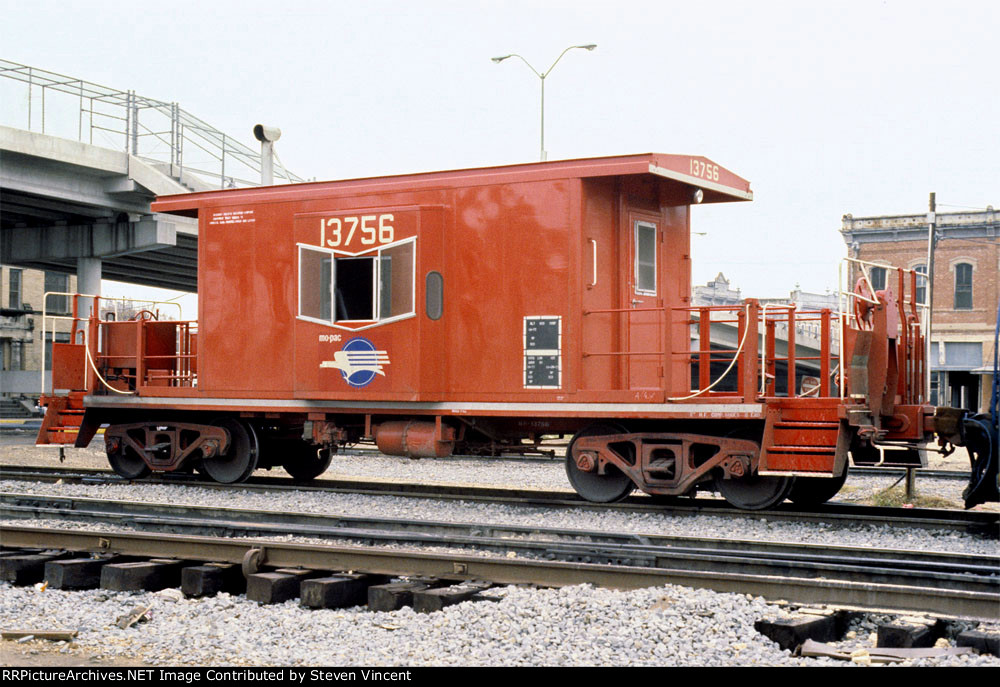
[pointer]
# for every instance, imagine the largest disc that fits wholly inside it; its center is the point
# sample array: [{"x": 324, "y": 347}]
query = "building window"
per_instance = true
[
  {"x": 963, "y": 286},
  {"x": 878, "y": 278},
  {"x": 16, "y": 355},
  {"x": 59, "y": 283},
  {"x": 921, "y": 295},
  {"x": 14, "y": 292},
  {"x": 963, "y": 355}
]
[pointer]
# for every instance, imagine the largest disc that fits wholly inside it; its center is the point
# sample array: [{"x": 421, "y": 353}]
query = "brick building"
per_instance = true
[
  {"x": 966, "y": 291},
  {"x": 21, "y": 337}
]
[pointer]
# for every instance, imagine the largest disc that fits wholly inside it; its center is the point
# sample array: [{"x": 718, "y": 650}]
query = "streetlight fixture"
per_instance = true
[{"x": 541, "y": 76}]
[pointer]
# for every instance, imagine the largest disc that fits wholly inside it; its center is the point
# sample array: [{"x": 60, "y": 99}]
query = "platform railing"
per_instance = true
[
  {"x": 792, "y": 318},
  {"x": 754, "y": 359},
  {"x": 93, "y": 335},
  {"x": 77, "y": 335}
]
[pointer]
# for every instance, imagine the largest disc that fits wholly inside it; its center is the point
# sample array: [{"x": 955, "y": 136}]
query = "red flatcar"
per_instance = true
[{"x": 482, "y": 308}]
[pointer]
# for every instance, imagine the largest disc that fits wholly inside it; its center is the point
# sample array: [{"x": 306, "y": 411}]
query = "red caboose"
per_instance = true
[{"x": 484, "y": 308}]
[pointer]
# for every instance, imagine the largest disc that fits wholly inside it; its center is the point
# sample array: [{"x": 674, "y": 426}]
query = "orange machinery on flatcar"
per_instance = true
[{"x": 481, "y": 309}]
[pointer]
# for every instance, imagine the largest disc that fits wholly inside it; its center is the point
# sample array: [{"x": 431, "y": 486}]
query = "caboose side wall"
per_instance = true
[
  {"x": 254, "y": 340},
  {"x": 507, "y": 257},
  {"x": 245, "y": 287},
  {"x": 505, "y": 252}
]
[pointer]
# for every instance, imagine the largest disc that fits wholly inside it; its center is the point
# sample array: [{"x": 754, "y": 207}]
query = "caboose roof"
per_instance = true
[{"x": 717, "y": 183}]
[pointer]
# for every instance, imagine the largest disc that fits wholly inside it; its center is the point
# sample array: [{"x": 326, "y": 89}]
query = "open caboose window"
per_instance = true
[{"x": 364, "y": 289}]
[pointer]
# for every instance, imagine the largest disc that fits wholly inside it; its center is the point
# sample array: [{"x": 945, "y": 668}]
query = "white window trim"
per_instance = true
[
  {"x": 377, "y": 251},
  {"x": 955, "y": 262},
  {"x": 953, "y": 268},
  {"x": 635, "y": 257}
]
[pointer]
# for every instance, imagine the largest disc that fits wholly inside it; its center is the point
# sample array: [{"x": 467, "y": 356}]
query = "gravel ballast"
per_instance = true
[
  {"x": 845, "y": 533},
  {"x": 573, "y": 626}
]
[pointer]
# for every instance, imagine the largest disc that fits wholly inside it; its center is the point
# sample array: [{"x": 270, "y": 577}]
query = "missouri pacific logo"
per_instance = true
[{"x": 358, "y": 362}]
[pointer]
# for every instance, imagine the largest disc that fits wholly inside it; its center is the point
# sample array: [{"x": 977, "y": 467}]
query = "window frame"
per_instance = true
[
  {"x": 635, "y": 242},
  {"x": 883, "y": 273},
  {"x": 921, "y": 271},
  {"x": 56, "y": 305},
  {"x": 15, "y": 274},
  {"x": 375, "y": 254},
  {"x": 963, "y": 291}
]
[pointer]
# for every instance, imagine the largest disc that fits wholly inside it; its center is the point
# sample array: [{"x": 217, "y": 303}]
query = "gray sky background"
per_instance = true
[{"x": 827, "y": 108}]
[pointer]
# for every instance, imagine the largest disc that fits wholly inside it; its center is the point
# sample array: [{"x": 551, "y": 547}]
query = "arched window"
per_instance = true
[{"x": 963, "y": 286}]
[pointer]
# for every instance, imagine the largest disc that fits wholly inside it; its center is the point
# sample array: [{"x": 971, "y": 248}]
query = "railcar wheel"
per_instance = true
[
  {"x": 127, "y": 463},
  {"x": 614, "y": 485},
  {"x": 305, "y": 462},
  {"x": 754, "y": 492},
  {"x": 236, "y": 464},
  {"x": 813, "y": 491}
]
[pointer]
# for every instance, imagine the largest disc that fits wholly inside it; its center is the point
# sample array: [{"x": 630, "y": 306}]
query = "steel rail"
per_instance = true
[
  {"x": 917, "y": 569},
  {"x": 866, "y": 471},
  {"x": 510, "y": 536},
  {"x": 910, "y": 568},
  {"x": 830, "y": 513},
  {"x": 505, "y": 571}
]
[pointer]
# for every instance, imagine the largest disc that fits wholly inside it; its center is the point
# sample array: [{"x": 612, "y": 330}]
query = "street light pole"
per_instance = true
[
  {"x": 541, "y": 154},
  {"x": 541, "y": 76}
]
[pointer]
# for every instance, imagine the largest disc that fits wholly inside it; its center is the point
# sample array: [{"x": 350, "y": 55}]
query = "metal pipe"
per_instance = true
[{"x": 267, "y": 135}]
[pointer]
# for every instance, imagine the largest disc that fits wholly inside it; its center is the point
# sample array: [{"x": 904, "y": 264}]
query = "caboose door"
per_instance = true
[{"x": 642, "y": 300}]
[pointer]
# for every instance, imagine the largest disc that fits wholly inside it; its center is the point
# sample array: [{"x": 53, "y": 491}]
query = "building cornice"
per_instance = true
[{"x": 898, "y": 228}]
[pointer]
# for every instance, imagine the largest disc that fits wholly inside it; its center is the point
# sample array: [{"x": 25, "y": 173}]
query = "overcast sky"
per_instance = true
[{"x": 827, "y": 108}]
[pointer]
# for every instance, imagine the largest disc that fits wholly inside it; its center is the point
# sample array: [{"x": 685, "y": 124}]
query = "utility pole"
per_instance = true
[
  {"x": 911, "y": 479},
  {"x": 931, "y": 243}
]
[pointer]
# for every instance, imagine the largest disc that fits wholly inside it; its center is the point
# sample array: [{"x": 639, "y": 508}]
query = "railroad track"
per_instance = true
[
  {"x": 979, "y": 522},
  {"x": 964, "y": 585}
]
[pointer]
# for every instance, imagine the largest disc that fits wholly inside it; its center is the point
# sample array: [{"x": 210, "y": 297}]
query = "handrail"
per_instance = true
[
  {"x": 909, "y": 311},
  {"x": 75, "y": 318},
  {"x": 102, "y": 380},
  {"x": 817, "y": 333},
  {"x": 45, "y": 317},
  {"x": 736, "y": 357},
  {"x": 174, "y": 126}
]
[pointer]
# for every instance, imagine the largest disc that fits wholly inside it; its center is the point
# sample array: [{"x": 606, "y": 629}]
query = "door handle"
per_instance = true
[{"x": 594, "y": 242}]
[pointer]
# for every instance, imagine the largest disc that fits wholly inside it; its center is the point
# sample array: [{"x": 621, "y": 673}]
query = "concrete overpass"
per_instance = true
[
  {"x": 80, "y": 164},
  {"x": 74, "y": 207},
  {"x": 69, "y": 205}
]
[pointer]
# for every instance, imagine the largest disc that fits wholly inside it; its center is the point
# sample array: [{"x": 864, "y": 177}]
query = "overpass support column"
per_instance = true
[{"x": 88, "y": 280}]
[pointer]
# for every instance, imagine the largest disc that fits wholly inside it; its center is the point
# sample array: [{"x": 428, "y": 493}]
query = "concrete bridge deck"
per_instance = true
[{"x": 63, "y": 201}]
